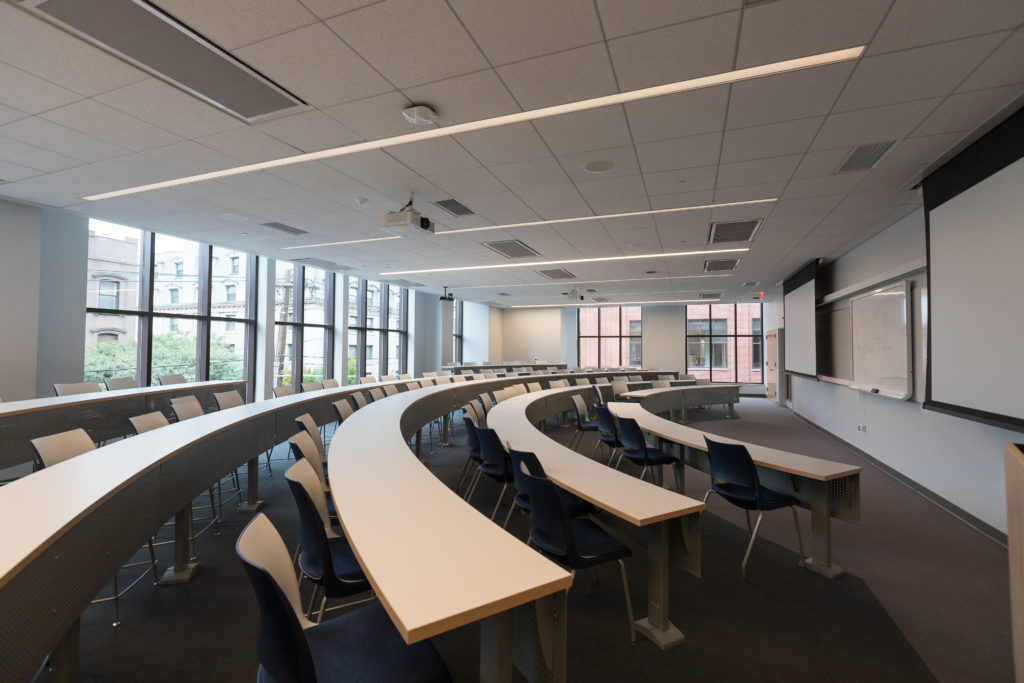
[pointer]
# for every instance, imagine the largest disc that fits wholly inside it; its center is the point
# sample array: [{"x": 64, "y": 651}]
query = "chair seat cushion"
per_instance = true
[
  {"x": 363, "y": 645},
  {"x": 744, "y": 497},
  {"x": 594, "y": 545},
  {"x": 574, "y": 507},
  {"x": 653, "y": 456},
  {"x": 587, "y": 426}
]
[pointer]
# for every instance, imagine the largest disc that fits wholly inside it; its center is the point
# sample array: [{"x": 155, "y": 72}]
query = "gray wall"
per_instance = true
[
  {"x": 425, "y": 335},
  {"x": 20, "y": 245},
  {"x": 476, "y": 332},
  {"x": 664, "y": 337}
]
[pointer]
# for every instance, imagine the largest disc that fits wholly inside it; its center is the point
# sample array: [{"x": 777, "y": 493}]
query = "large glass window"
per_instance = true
[
  {"x": 189, "y": 307},
  {"x": 723, "y": 342},
  {"x": 609, "y": 336},
  {"x": 304, "y": 329},
  {"x": 378, "y": 329}
]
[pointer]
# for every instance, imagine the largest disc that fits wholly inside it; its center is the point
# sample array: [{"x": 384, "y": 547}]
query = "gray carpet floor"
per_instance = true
[{"x": 925, "y": 597}]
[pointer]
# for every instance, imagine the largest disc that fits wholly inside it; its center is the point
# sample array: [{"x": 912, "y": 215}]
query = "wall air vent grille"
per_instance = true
[
  {"x": 720, "y": 265},
  {"x": 704, "y": 296},
  {"x": 865, "y": 157},
  {"x": 455, "y": 208},
  {"x": 557, "y": 274},
  {"x": 511, "y": 249},
  {"x": 750, "y": 284},
  {"x": 285, "y": 228},
  {"x": 733, "y": 231}
]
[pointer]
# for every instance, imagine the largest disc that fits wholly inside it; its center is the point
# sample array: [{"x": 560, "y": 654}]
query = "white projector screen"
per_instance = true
[
  {"x": 801, "y": 342},
  {"x": 976, "y": 272}
]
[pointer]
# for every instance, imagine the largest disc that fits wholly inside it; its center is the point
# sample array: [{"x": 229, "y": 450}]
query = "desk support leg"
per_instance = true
[
  {"x": 252, "y": 503},
  {"x": 496, "y": 648},
  {"x": 182, "y": 570},
  {"x": 64, "y": 658},
  {"x": 419, "y": 444},
  {"x": 539, "y": 639},
  {"x": 820, "y": 560},
  {"x": 731, "y": 410},
  {"x": 656, "y": 625}
]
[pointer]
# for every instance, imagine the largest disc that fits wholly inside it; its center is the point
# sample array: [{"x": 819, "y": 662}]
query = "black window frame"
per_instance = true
[
  {"x": 298, "y": 324},
  {"x": 383, "y": 330},
  {"x": 713, "y": 338},
  {"x": 620, "y": 336}
]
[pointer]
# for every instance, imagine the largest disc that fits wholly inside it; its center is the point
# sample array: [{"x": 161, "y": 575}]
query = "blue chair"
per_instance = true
[
  {"x": 358, "y": 645},
  {"x": 583, "y": 423},
  {"x": 525, "y": 461},
  {"x": 597, "y": 395},
  {"x": 473, "y": 442},
  {"x": 636, "y": 449},
  {"x": 494, "y": 463},
  {"x": 734, "y": 477},
  {"x": 325, "y": 557},
  {"x": 576, "y": 542},
  {"x": 607, "y": 433}
]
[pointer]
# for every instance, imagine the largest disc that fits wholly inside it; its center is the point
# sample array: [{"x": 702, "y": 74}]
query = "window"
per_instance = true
[
  {"x": 181, "y": 327},
  {"x": 457, "y": 333},
  {"x": 234, "y": 265},
  {"x": 304, "y": 333},
  {"x": 723, "y": 342},
  {"x": 109, "y": 294},
  {"x": 378, "y": 329},
  {"x": 229, "y": 292},
  {"x": 610, "y": 336}
]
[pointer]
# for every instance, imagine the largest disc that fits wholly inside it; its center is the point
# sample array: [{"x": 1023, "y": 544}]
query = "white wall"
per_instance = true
[
  {"x": 664, "y": 337},
  {"x": 529, "y": 333},
  {"x": 425, "y": 333},
  {"x": 20, "y": 244},
  {"x": 960, "y": 460},
  {"x": 495, "y": 321},
  {"x": 476, "y": 332}
]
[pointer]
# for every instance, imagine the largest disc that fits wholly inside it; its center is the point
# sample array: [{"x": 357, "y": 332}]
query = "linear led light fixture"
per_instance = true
[
  {"x": 619, "y": 303},
  {"x": 811, "y": 61},
  {"x": 607, "y": 216},
  {"x": 592, "y": 282},
  {"x": 563, "y": 261},
  {"x": 332, "y": 244}
]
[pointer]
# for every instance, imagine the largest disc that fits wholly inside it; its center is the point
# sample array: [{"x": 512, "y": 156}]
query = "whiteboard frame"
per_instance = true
[{"x": 905, "y": 288}]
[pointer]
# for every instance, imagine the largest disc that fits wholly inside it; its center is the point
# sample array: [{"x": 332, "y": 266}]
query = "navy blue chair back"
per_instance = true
[
  {"x": 631, "y": 436},
  {"x": 281, "y": 646},
  {"x": 605, "y": 423},
  {"x": 597, "y": 395},
  {"x": 493, "y": 453},
  {"x": 552, "y": 531},
  {"x": 472, "y": 438},
  {"x": 315, "y": 553},
  {"x": 731, "y": 463}
]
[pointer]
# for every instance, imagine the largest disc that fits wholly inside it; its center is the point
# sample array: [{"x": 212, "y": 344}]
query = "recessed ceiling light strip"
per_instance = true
[
  {"x": 331, "y": 244},
  {"x": 561, "y": 261},
  {"x": 617, "y": 303},
  {"x": 518, "y": 117},
  {"x": 607, "y": 216}
]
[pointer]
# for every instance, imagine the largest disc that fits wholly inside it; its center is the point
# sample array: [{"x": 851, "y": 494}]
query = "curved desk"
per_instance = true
[
  {"x": 828, "y": 489},
  {"x": 657, "y": 511},
  {"x": 666, "y": 399}
]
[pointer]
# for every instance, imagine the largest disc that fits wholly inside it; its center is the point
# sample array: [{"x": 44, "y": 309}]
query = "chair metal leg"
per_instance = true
[
  {"x": 643, "y": 472},
  {"x": 747, "y": 512},
  {"x": 156, "y": 572},
  {"x": 509, "y": 515},
  {"x": 799, "y": 538},
  {"x": 472, "y": 486},
  {"x": 498, "y": 504},
  {"x": 462, "y": 473},
  {"x": 312, "y": 601},
  {"x": 117, "y": 610},
  {"x": 629, "y": 603},
  {"x": 750, "y": 546}
]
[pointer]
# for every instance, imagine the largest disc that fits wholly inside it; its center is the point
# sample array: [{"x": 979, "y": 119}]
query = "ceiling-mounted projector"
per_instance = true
[
  {"x": 447, "y": 296},
  {"x": 408, "y": 221}
]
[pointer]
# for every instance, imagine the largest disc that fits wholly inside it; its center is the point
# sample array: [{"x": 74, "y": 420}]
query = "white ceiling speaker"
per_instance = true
[{"x": 420, "y": 115}]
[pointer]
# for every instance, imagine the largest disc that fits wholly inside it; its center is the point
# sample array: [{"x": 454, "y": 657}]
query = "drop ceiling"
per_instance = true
[{"x": 77, "y": 121}]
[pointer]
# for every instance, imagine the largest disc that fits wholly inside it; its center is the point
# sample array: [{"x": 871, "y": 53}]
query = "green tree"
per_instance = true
[{"x": 172, "y": 352}]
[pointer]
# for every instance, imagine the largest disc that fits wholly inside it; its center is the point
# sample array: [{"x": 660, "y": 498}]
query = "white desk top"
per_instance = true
[
  {"x": 625, "y": 496},
  {"x": 646, "y": 393},
  {"x": 783, "y": 461},
  {"x": 435, "y": 562},
  {"x": 35, "y": 404}
]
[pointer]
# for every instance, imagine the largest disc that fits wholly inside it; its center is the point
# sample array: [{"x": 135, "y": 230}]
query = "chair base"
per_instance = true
[
  {"x": 171, "y": 577},
  {"x": 670, "y": 637},
  {"x": 251, "y": 507},
  {"x": 832, "y": 571}
]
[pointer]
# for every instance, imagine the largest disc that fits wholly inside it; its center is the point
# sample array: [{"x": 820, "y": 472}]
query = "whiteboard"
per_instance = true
[{"x": 881, "y": 342}]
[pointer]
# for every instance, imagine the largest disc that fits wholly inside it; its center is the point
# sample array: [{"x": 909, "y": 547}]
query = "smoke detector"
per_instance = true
[{"x": 420, "y": 115}]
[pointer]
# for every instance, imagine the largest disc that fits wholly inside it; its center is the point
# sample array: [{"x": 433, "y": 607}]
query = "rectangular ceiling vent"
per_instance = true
[
  {"x": 511, "y": 249},
  {"x": 149, "y": 38},
  {"x": 600, "y": 299},
  {"x": 720, "y": 265},
  {"x": 504, "y": 294},
  {"x": 750, "y": 284},
  {"x": 865, "y": 157},
  {"x": 704, "y": 296},
  {"x": 283, "y": 227},
  {"x": 591, "y": 291},
  {"x": 733, "y": 231},
  {"x": 455, "y": 208},
  {"x": 321, "y": 263},
  {"x": 557, "y": 274}
]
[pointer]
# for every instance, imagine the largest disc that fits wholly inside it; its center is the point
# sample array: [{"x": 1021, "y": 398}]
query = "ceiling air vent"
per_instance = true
[
  {"x": 408, "y": 284},
  {"x": 511, "y": 249},
  {"x": 156, "y": 42},
  {"x": 557, "y": 274},
  {"x": 321, "y": 263},
  {"x": 600, "y": 299},
  {"x": 865, "y": 157},
  {"x": 720, "y": 265},
  {"x": 591, "y": 291},
  {"x": 733, "y": 231},
  {"x": 704, "y": 296},
  {"x": 282, "y": 227},
  {"x": 750, "y": 284},
  {"x": 455, "y": 208}
]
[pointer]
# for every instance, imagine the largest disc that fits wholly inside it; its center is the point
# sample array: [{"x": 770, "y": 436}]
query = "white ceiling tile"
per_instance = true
[
  {"x": 624, "y": 205},
  {"x": 793, "y": 95},
  {"x": 10, "y": 172},
  {"x": 375, "y": 117},
  {"x": 371, "y": 167},
  {"x": 30, "y": 156},
  {"x": 918, "y": 22},
  {"x": 1003, "y": 67},
  {"x": 48, "y": 189},
  {"x": 774, "y": 31},
  {"x": 403, "y": 40},
  {"x": 621, "y": 17},
  {"x": 689, "y": 152},
  {"x": 316, "y": 176},
  {"x": 553, "y": 196},
  {"x": 34, "y": 46},
  {"x": 921, "y": 151},
  {"x": 316, "y": 65},
  {"x": 31, "y": 94},
  {"x": 528, "y": 174},
  {"x": 628, "y": 187},
  {"x": 467, "y": 183},
  {"x": 878, "y": 199},
  {"x": 585, "y": 130},
  {"x": 309, "y": 131},
  {"x": 503, "y": 207},
  {"x": 325, "y": 9},
  {"x": 821, "y": 163},
  {"x": 758, "y": 171},
  {"x": 914, "y": 74},
  {"x": 513, "y": 31},
  {"x": 681, "y": 180},
  {"x": 774, "y": 139},
  {"x": 810, "y": 205},
  {"x": 892, "y": 122},
  {"x": 748, "y": 193},
  {"x": 47, "y": 135},
  {"x": 672, "y": 201},
  {"x": 99, "y": 120},
  {"x": 680, "y": 115},
  {"x": 505, "y": 144},
  {"x": 158, "y": 103},
  {"x": 623, "y": 158},
  {"x": 569, "y": 76},
  {"x": 902, "y": 177},
  {"x": 675, "y": 53},
  {"x": 824, "y": 185},
  {"x": 8, "y": 114},
  {"x": 248, "y": 145},
  {"x": 471, "y": 97},
  {"x": 967, "y": 111},
  {"x": 430, "y": 157},
  {"x": 233, "y": 23}
]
